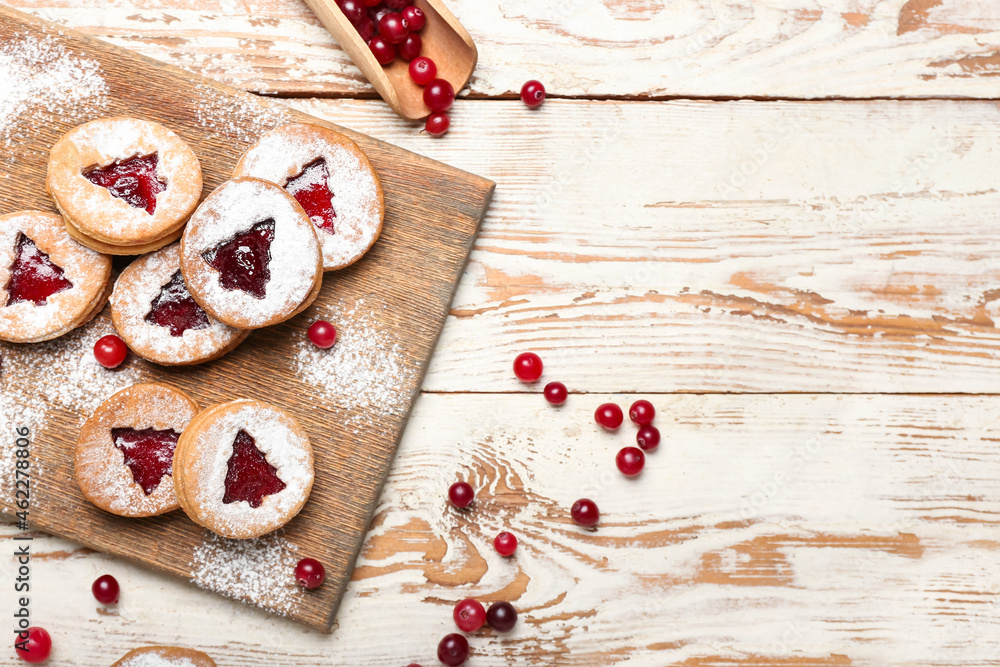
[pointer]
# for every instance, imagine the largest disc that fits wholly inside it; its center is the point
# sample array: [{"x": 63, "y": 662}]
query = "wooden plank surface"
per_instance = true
[
  {"x": 389, "y": 309},
  {"x": 683, "y": 48}
]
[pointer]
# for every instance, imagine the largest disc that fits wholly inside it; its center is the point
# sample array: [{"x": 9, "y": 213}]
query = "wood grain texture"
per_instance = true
[
  {"x": 800, "y": 531},
  {"x": 630, "y": 48},
  {"x": 432, "y": 211}
]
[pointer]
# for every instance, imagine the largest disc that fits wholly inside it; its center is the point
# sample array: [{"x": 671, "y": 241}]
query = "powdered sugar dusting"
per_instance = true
[
  {"x": 259, "y": 570},
  {"x": 243, "y": 118},
  {"x": 156, "y": 660}
]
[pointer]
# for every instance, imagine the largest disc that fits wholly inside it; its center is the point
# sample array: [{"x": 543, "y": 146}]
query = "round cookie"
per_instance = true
[
  {"x": 243, "y": 469},
  {"x": 164, "y": 656},
  {"x": 124, "y": 181},
  {"x": 153, "y": 312},
  {"x": 125, "y": 451},
  {"x": 109, "y": 249},
  {"x": 249, "y": 255},
  {"x": 49, "y": 283},
  {"x": 331, "y": 177}
]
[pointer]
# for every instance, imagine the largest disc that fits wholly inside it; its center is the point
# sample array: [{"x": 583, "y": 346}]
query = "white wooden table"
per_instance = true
[{"x": 779, "y": 220}]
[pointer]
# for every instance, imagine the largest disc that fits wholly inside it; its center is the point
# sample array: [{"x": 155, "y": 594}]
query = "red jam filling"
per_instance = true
[
  {"x": 175, "y": 308},
  {"x": 311, "y": 189},
  {"x": 135, "y": 180},
  {"x": 149, "y": 454},
  {"x": 250, "y": 477},
  {"x": 33, "y": 276},
  {"x": 243, "y": 262}
]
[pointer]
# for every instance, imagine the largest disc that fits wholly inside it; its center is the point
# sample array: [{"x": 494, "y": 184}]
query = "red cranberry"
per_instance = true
[
  {"x": 366, "y": 28},
  {"x": 585, "y": 512},
  {"x": 461, "y": 494},
  {"x": 555, "y": 393},
  {"x": 398, "y": 4},
  {"x": 533, "y": 93},
  {"x": 469, "y": 615},
  {"x": 422, "y": 70},
  {"x": 383, "y": 51},
  {"x": 505, "y": 543},
  {"x": 630, "y": 461},
  {"x": 105, "y": 589},
  {"x": 648, "y": 437},
  {"x": 453, "y": 650},
  {"x": 437, "y": 124},
  {"x": 528, "y": 367},
  {"x": 110, "y": 351},
  {"x": 33, "y": 644},
  {"x": 501, "y": 616},
  {"x": 310, "y": 573},
  {"x": 642, "y": 412},
  {"x": 371, "y": 3},
  {"x": 410, "y": 48},
  {"x": 393, "y": 27},
  {"x": 609, "y": 416},
  {"x": 415, "y": 17},
  {"x": 322, "y": 334},
  {"x": 439, "y": 95},
  {"x": 377, "y": 12},
  {"x": 353, "y": 10}
]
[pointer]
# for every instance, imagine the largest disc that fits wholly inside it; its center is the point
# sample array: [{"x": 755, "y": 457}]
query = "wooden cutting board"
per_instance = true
[{"x": 353, "y": 400}]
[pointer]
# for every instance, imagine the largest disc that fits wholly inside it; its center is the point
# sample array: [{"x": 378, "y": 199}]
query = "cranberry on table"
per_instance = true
[
  {"x": 437, "y": 124},
  {"x": 422, "y": 70},
  {"x": 609, "y": 416},
  {"x": 469, "y": 615},
  {"x": 322, "y": 334},
  {"x": 110, "y": 351},
  {"x": 383, "y": 51},
  {"x": 533, "y": 93},
  {"x": 415, "y": 17},
  {"x": 505, "y": 543},
  {"x": 585, "y": 512},
  {"x": 353, "y": 10},
  {"x": 33, "y": 644},
  {"x": 453, "y": 650},
  {"x": 630, "y": 461},
  {"x": 439, "y": 95},
  {"x": 310, "y": 573},
  {"x": 648, "y": 437},
  {"x": 501, "y": 616},
  {"x": 461, "y": 494},
  {"x": 105, "y": 588},
  {"x": 555, "y": 393},
  {"x": 411, "y": 46},
  {"x": 393, "y": 27},
  {"x": 642, "y": 412},
  {"x": 528, "y": 367}
]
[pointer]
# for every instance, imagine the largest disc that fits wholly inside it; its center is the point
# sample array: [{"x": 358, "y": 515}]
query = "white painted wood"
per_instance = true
[
  {"x": 798, "y": 528},
  {"x": 785, "y": 48}
]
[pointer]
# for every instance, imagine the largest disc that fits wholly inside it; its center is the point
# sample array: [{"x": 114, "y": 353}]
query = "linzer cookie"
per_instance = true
[
  {"x": 51, "y": 284},
  {"x": 158, "y": 318},
  {"x": 243, "y": 469},
  {"x": 164, "y": 656},
  {"x": 249, "y": 255},
  {"x": 124, "y": 185},
  {"x": 331, "y": 177},
  {"x": 125, "y": 452}
]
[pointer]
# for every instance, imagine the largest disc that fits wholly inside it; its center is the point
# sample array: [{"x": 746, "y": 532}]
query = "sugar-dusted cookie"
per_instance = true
[
  {"x": 243, "y": 468},
  {"x": 124, "y": 455},
  {"x": 164, "y": 656}
]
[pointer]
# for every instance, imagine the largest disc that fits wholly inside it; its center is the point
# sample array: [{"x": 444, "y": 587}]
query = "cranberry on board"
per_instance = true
[
  {"x": 501, "y": 616},
  {"x": 415, "y": 17},
  {"x": 110, "y": 351},
  {"x": 533, "y": 93},
  {"x": 453, "y": 650},
  {"x": 528, "y": 367},
  {"x": 469, "y": 615},
  {"x": 411, "y": 46},
  {"x": 422, "y": 70},
  {"x": 461, "y": 494},
  {"x": 383, "y": 51},
  {"x": 393, "y": 27},
  {"x": 105, "y": 589},
  {"x": 642, "y": 412},
  {"x": 555, "y": 393},
  {"x": 630, "y": 461},
  {"x": 33, "y": 644},
  {"x": 505, "y": 543},
  {"x": 585, "y": 512},
  {"x": 322, "y": 334},
  {"x": 648, "y": 437},
  {"x": 439, "y": 95},
  {"x": 437, "y": 124},
  {"x": 310, "y": 573},
  {"x": 609, "y": 416}
]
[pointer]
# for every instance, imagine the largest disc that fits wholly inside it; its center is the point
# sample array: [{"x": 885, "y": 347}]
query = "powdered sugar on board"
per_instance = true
[
  {"x": 240, "y": 117},
  {"x": 260, "y": 570},
  {"x": 156, "y": 660}
]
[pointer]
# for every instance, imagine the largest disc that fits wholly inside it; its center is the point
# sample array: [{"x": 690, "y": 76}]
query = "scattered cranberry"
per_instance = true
[
  {"x": 410, "y": 48},
  {"x": 453, "y": 650},
  {"x": 110, "y": 351},
  {"x": 383, "y": 51},
  {"x": 648, "y": 437},
  {"x": 393, "y": 27},
  {"x": 439, "y": 95},
  {"x": 105, "y": 589},
  {"x": 528, "y": 367},
  {"x": 36, "y": 643},
  {"x": 555, "y": 393},
  {"x": 422, "y": 70},
  {"x": 310, "y": 573},
  {"x": 630, "y": 461},
  {"x": 609, "y": 416},
  {"x": 533, "y": 93},
  {"x": 322, "y": 334},
  {"x": 585, "y": 512},
  {"x": 501, "y": 616},
  {"x": 505, "y": 543},
  {"x": 461, "y": 494},
  {"x": 469, "y": 615},
  {"x": 353, "y": 10},
  {"x": 437, "y": 124},
  {"x": 415, "y": 17},
  {"x": 642, "y": 412}
]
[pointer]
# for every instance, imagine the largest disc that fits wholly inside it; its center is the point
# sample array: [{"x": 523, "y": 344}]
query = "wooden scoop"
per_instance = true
[{"x": 445, "y": 42}]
